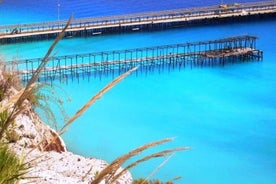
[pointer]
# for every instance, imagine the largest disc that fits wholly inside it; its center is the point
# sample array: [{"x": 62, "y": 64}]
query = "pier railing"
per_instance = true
[
  {"x": 149, "y": 20},
  {"x": 203, "y": 53}
]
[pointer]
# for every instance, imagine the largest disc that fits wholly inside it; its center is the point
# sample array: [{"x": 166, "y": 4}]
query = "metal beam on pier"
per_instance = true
[{"x": 203, "y": 53}]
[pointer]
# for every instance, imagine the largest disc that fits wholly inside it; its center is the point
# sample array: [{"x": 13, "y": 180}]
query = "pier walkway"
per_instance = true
[
  {"x": 134, "y": 22},
  {"x": 203, "y": 53}
]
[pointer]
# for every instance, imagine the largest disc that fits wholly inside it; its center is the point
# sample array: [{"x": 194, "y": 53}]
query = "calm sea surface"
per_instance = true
[{"x": 226, "y": 114}]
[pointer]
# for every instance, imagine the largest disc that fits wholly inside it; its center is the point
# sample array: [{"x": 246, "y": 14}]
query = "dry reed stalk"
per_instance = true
[
  {"x": 89, "y": 103},
  {"x": 164, "y": 153},
  {"x": 116, "y": 164},
  {"x": 111, "y": 169},
  {"x": 18, "y": 104},
  {"x": 155, "y": 155},
  {"x": 14, "y": 99},
  {"x": 84, "y": 108},
  {"x": 95, "y": 98},
  {"x": 158, "y": 168}
]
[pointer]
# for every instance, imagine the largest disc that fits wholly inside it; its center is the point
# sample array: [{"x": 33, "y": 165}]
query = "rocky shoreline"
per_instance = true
[
  {"x": 46, "y": 154},
  {"x": 55, "y": 164}
]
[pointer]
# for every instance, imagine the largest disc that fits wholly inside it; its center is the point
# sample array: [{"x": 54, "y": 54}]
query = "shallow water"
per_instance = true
[{"x": 226, "y": 114}]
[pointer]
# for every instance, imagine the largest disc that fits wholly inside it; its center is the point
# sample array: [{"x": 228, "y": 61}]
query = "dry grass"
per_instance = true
[
  {"x": 89, "y": 103},
  {"x": 95, "y": 98},
  {"x": 19, "y": 104},
  {"x": 12, "y": 167},
  {"x": 13, "y": 99},
  {"x": 8, "y": 79},
  {"x": 111, "y": 173}
]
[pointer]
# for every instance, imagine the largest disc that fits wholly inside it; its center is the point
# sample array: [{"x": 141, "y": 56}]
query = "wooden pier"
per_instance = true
[
  {"x": 196, "y": 54},
  {"x": 135, "y": 22}
]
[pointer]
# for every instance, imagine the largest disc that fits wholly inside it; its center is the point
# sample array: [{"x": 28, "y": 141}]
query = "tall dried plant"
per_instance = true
[
  {"x": 95, "y": 98},
  {"x": 18, "y": 105},
  {"x": 112, "y": 172},
  {"x": 13, "y": 168}
]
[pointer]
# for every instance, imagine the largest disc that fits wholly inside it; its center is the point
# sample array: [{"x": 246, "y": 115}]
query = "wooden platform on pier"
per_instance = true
[
  {"x": 203, "y": 53},
  {"x": 134, "y": 22}
]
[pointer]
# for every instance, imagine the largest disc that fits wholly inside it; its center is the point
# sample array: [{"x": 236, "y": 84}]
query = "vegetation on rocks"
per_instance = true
[
  {"x": 12, "y": 168},
  {"x": 13, "y": 100}
]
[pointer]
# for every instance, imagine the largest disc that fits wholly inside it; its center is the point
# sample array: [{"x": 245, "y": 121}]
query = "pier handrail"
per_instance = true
[
  {"x": 189, "y": 44},
  {"x": 139, "y": 17},
  {"x": 198, "y": 53}
]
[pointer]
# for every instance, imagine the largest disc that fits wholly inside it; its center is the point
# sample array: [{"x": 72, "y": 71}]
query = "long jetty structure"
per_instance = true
[
  {"x": 134, "y": 22},
  {"x": 202, "y": 53}
]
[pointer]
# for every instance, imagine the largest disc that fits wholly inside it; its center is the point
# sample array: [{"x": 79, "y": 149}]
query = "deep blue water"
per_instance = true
[
  {"x": 226, "y": 114},
  {"x": 17, "y": 11}
]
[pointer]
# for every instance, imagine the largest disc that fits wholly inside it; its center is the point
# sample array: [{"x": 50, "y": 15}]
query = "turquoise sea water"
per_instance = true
[{"x": 226, "y": 114}]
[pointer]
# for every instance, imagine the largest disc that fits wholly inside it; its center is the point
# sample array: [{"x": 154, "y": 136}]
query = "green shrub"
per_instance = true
[{"x": 12, "y": 168}]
